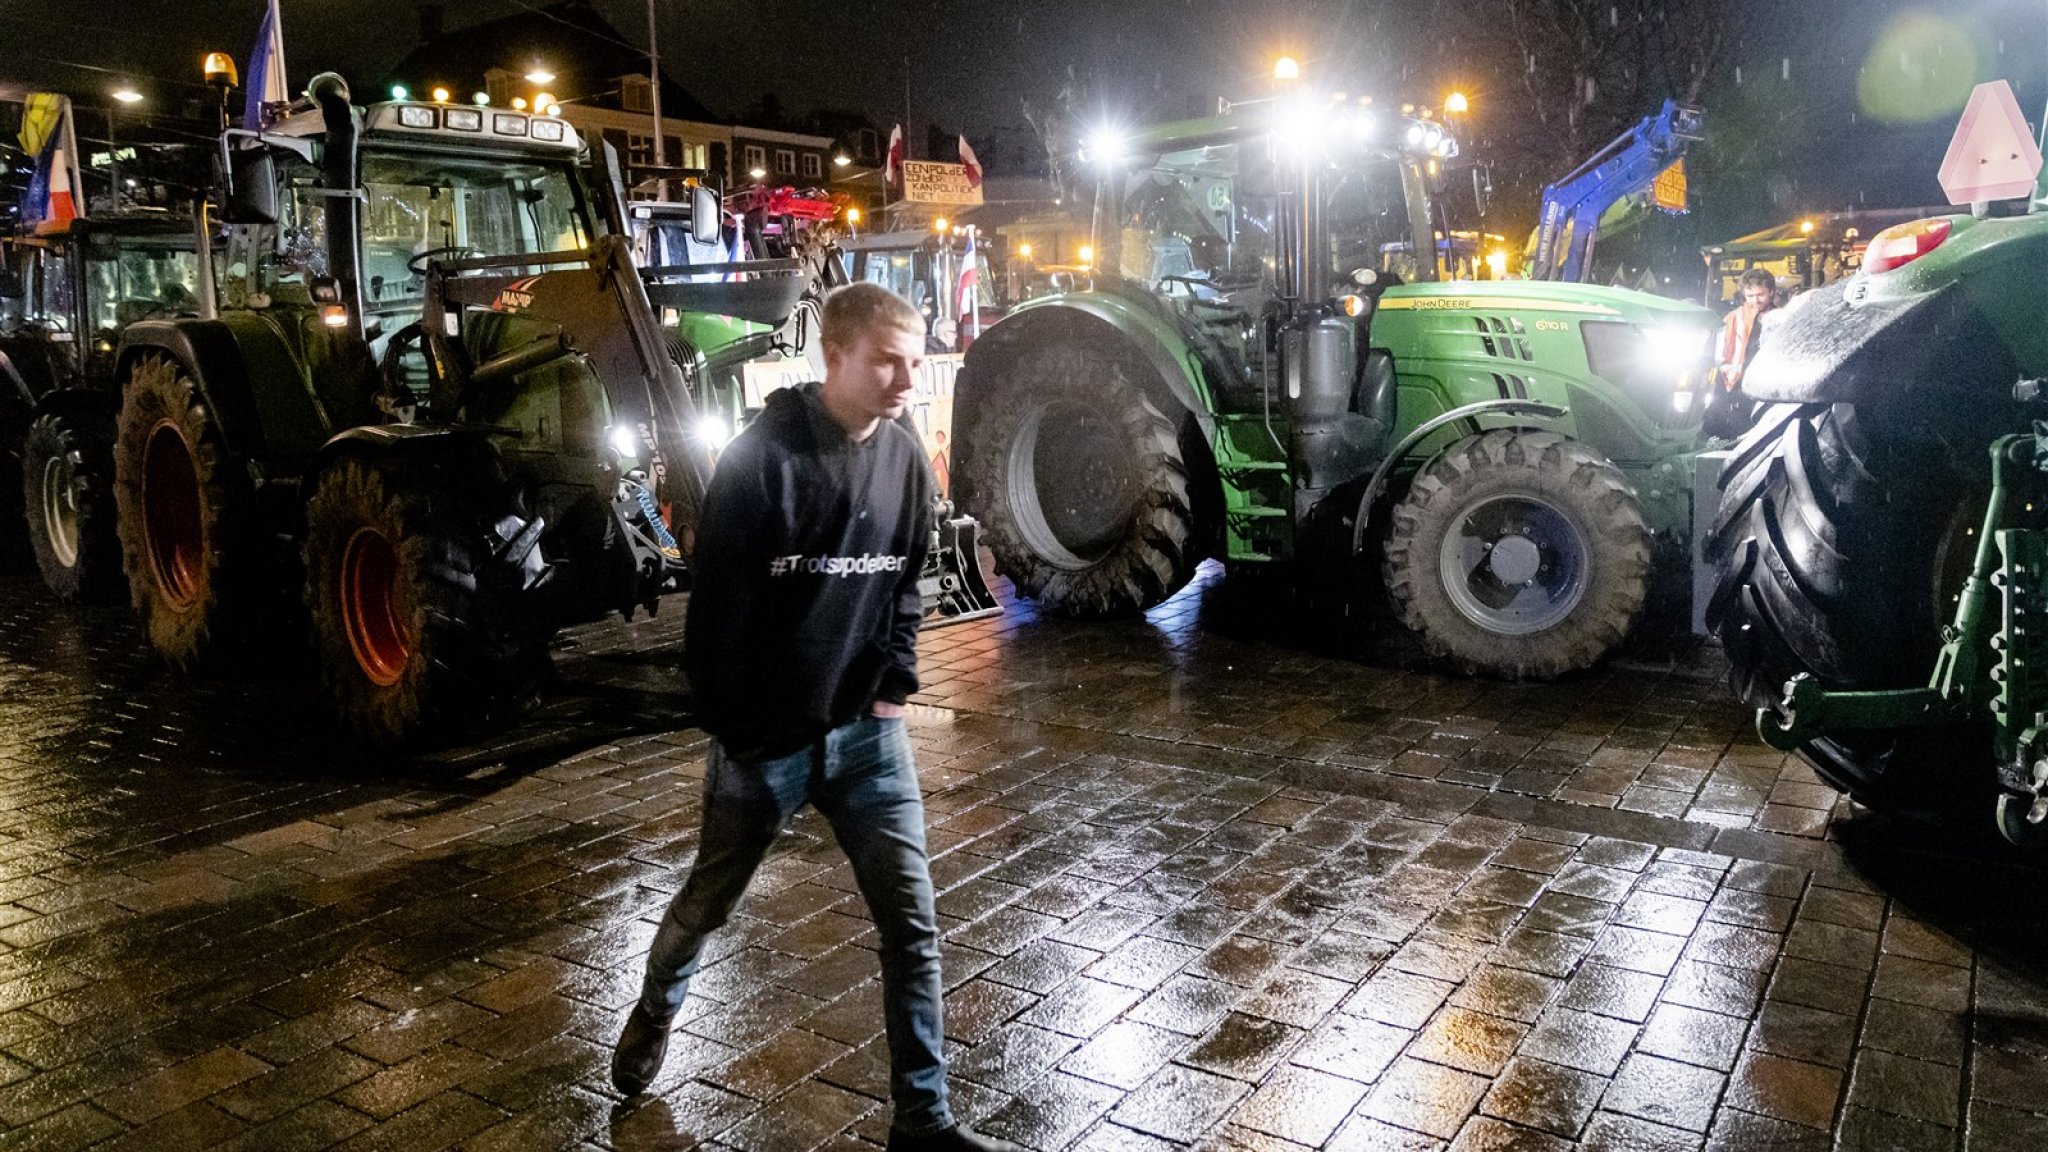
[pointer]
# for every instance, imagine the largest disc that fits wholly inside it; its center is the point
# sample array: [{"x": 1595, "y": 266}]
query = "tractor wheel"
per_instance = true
[
  {"x": 67, "y": 479},
  {"x": 182, "y": 509},
  {"x": 408, "y": 635},
  {"x": 1520, "y": 555},
  {"x": 1083, "y": 488},
  {"x": 1839, "y": 551}
]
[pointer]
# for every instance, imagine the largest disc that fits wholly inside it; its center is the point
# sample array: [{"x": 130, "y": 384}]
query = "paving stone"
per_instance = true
[
  {"x": 1786, "y": 1089},
  {"x": 1299, "y": 1105},
  {"x": 1580, "y": 1040},
  {"x": 1550, "y": 1097},
  {"x": 1425, "y": 1097},
  {"x": 1902, "y": 1086},
  {"x": 1694, "y": 1036},
  {"x": 1179, "y": 1103},
  {"x": 1124, "y": 1054},
  {"x": 1664, "y": 1091},
  {"x": 1242, "y": 1047},
  {"x": 1472, "y": 1041}
]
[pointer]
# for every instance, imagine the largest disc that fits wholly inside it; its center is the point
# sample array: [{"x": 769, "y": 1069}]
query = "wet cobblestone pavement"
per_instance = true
[{"x": 1198, "y": 888}]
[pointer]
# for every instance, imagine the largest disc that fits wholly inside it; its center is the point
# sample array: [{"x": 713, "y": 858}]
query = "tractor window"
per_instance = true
[
  {"x": 133, "y": 279},
  {"x": 1366, "y": 207},
  {"x": 461, "y": 207},
  {"x": 1181, "y": 217},
  {"x": 53, "y": 306}
]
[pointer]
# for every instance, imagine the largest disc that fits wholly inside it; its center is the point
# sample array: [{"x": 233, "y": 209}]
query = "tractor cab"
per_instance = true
[
  {"x": 1239, "y": 221},
  {"x": 346, "y": 274}
]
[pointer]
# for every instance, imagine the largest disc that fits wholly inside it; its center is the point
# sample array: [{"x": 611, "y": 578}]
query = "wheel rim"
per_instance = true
[
  {"x": 1072, "y": 492},
  {"x": 173, "y": 530},
  {"x": 1514, "y": 565},
  {"x": 60, "y": 508},
  {"x": 376, "y": 632}
]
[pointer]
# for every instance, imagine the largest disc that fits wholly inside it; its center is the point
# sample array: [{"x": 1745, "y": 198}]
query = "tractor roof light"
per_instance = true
[
  {"x": 1902, "y": 244},
  {"x": 1301, "y": 124}
]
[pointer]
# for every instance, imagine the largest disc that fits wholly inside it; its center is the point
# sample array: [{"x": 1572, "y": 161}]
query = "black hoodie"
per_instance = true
[{"x": 804, "y": 604}]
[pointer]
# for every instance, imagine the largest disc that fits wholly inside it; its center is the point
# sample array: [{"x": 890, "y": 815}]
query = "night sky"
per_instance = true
[{"x": 971, "y": 64}]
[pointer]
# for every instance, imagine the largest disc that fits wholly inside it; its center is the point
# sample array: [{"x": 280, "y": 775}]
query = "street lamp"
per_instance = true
[
  {"x": 841, "y": 160},
  {"x": 125, "y": 94},
  {"x": 1456, "y": 104},
  {"x": 540, "y": 76}
]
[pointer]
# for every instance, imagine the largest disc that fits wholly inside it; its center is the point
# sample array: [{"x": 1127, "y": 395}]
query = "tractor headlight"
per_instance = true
[
  {"x": 714, "y": 432},
  {"x": 1105, "y": 148},
  {"x": 625, "y": 442},
  {"x": 1674, "y": 352}
]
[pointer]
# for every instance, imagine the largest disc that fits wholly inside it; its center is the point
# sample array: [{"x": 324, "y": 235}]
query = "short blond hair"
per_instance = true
[{"x": 857, "y": 308}]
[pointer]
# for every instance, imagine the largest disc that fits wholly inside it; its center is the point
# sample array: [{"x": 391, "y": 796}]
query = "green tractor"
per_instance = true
[
  {"x": 1883, "y": 528},
  {"x": 65, "y": 296},
  {"x": 1515, "y": 458},
  {"x": 439, "y": 381}
]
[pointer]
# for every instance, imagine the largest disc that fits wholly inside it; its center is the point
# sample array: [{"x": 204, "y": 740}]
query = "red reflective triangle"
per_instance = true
[{"x": 1993, "y": 156}]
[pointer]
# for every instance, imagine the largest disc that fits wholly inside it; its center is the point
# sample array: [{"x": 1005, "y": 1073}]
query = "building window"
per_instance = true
[
  {"x": 814, "y": 166},
  {"x": 636, "y": 93},
  {"x": 754, "y": 156},
  {"x": 639, "y": 149},
  {"x": 695, "y": 156},
  {"x": 870, "y": 146},
  {"x": 785, "y": 162}
]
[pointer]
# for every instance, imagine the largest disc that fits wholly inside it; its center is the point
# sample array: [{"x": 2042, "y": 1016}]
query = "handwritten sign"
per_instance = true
[{"x": 930, "y": 182}]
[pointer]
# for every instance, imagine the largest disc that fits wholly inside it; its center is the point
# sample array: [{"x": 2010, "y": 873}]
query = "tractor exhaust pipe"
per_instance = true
[{"x": 344, "y": 210}]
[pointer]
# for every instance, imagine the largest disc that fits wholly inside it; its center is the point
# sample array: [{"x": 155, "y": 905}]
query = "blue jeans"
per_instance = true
[{"x": 862, "y": 778}]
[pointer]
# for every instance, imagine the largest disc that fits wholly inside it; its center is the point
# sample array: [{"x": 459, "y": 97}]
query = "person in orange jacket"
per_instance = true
[{"x": 1728, "y": 411}]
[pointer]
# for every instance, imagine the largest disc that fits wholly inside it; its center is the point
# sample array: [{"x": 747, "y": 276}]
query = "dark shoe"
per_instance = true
[
  {"x": 642, "y": 1046},
  {"x": 958, "y": 1138}
]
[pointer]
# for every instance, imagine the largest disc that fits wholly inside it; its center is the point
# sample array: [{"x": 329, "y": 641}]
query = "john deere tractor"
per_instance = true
[
  {"x": 438, "y": 380},
  {"x": 1242, "y": 381},
  {"x": 1882, "y": 539}
]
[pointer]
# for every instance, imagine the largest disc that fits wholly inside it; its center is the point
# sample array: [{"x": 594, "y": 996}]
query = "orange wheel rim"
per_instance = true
[
  {"x": 173, "y": 529},
  {"x": 378, "y": 637}
]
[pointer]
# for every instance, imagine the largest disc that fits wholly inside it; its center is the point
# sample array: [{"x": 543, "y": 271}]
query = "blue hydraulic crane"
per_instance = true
[{"x": 1628, "y": 164}]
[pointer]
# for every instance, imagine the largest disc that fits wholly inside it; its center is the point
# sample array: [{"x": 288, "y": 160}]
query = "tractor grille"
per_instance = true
[{"x": 1506, "y": 339}]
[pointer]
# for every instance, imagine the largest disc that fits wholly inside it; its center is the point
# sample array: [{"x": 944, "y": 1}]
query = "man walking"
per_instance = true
[{"x": 801, "y": 650}]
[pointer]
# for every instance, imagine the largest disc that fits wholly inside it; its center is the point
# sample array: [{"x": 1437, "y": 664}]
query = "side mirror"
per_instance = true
[
  {"x": 253, "y": 199},
  {"x": 707, "y": 216},
  {"x": 1482, "y": 187}
]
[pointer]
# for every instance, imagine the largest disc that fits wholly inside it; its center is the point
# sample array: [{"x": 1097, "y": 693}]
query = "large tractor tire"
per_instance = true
[
  {"x": 1518, "y": 554},
  {"x": 183, "y": 506},
  {"x": 1083, "y": 490},
  {"x": 412, "y": 636},
  {"x": 1840, "y": 549},
  {"x": 67, "y": 480}
]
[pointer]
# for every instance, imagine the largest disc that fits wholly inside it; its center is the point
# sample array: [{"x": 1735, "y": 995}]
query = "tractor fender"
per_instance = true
[
  {"x": 1176, "y": 380},
  {"x": 224, "y": 361},
  {"x": 462, "y": 446},
  {"x": 14, "y": 386},
  {"x": 1932, "y": 351},
  {"x": 1377, "y": 486},
  {"x": 82, "y": 403}
]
